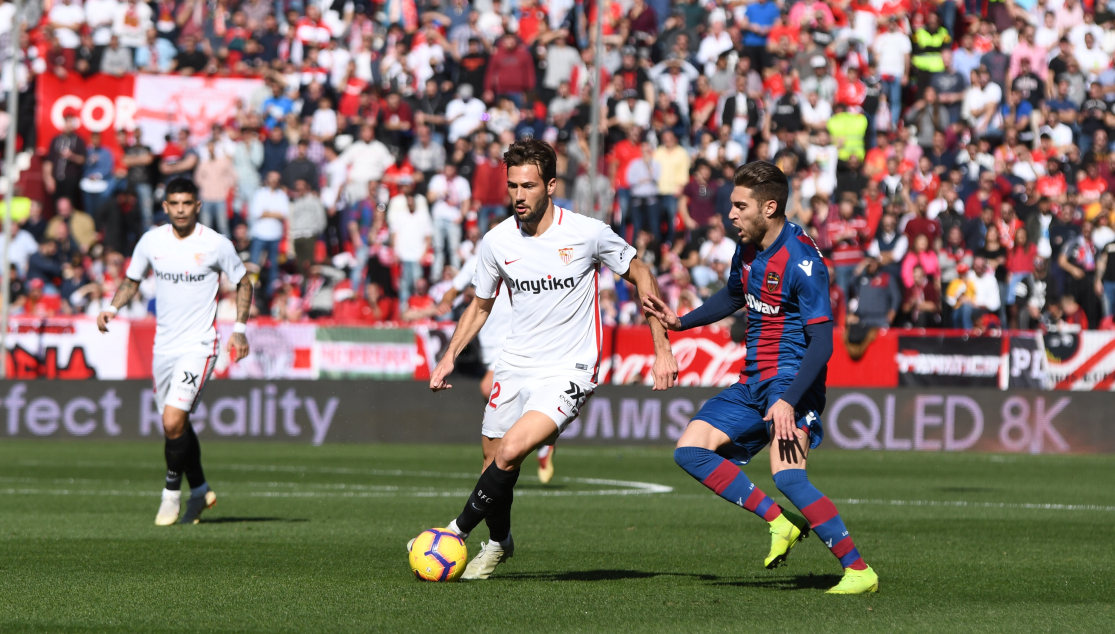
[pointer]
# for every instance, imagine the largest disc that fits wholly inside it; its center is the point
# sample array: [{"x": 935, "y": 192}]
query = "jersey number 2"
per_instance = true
[{"x": 495, "y": 395}]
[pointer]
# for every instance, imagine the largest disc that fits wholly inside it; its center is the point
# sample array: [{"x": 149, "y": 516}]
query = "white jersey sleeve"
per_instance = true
[
  {"x": 487, "y": 272},
  {"x": 465, "y": 276},
  {"x": 140, "y": 263},
  {"x": 229, "y": 262},
  {"x": 613, "y": 251}
]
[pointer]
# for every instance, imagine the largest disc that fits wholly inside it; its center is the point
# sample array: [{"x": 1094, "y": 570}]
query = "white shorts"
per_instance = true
[
  {"x": 179, "y": 379},
  {"x": 559, "y": 397}
]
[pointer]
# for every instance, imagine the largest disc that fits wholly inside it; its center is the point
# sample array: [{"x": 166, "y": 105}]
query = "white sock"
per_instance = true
[
  {"x": 197, "y": 492},
  {"x": 167, "y": 493},
  {"x": 453, "y": 527},
  {"x": 543, "y": 451}
]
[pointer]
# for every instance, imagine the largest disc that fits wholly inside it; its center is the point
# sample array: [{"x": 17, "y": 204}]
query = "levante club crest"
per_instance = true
[
  {"x": 773, "y": 279},
  {"x": 566, "y": 255}
]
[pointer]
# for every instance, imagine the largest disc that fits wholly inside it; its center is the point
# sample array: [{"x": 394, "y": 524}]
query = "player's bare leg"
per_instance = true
[
  {"x": 495, "y": 491},
  {"x": 788, "y": 462},
  {"x": 183, "y": 458},
  {"x": 697, "y": 454}
]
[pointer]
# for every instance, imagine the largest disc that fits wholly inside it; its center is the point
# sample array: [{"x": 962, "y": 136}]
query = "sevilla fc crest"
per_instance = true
[
  {"x": 566, "y": 255},
  {"x": 773, "y": 280},
  {"x": 199, "y": 258}
]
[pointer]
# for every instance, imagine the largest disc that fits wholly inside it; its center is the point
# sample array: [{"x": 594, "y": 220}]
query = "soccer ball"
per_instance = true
[{"x": 438, "y": 555}]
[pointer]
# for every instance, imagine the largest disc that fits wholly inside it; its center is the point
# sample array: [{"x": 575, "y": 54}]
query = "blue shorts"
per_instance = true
[{"x": 739, "y": 410}]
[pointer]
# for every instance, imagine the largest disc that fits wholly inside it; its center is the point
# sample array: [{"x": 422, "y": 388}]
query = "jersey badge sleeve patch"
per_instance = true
[
  {"x": 566, "y": 255},
  {"x": 807, "y": 266}
]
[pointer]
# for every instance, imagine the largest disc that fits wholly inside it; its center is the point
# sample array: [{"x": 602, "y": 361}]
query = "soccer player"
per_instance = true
[
  {"x": 491, "y": 337},
  {"x": 188, "y": 259},
  {"x": 547, "y": 260},
  {"x": 779, "y": 275}
]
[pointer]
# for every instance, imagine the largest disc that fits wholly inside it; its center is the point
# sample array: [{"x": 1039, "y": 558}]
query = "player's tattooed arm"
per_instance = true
[
  {"x": 238, "y": 345},
  {"x": 665, "y": 365},
  {"x": 124, "y": 294}
]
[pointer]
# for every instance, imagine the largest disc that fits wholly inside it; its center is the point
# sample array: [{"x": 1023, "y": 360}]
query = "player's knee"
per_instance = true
[
  {"x": 787, "y": 480},
  {"x": 511, "y": 453},
  {"x": 691, "y": 458}
]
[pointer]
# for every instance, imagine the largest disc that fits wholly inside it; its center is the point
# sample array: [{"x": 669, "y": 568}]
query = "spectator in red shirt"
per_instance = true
[
  {"x": 374, "y": 308},
  {"x": 987, "y": 196},
  {"x": 847, "y": 233},
  {"x": 510, "y": 71},
  {"x": 420, "y": 305},
  {"x": 489, "y": 187},
  {"x": 623, "y": 154}
]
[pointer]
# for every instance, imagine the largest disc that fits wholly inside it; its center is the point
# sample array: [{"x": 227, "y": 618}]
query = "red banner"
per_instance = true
[
  {"x": 102, "y": 103},
  {"x": 708, "y": 357}
]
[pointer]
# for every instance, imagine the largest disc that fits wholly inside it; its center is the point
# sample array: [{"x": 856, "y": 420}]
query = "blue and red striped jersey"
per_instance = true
[{"x": 786, "y": 288}]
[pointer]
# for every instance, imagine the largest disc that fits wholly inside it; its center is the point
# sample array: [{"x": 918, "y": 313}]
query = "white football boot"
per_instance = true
[
  {"x": 196, "y": 505},
  {"x": 491, "y": 555},
  {"x": 169, "y": 508}
]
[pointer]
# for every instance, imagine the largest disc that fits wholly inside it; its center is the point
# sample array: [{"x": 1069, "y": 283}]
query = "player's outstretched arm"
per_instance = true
[
  {"x": 471, "y": 322},
  {"x": 238, "y": 344},
  {"x": 665, "y": 365},
  {"x": 123, "y": 295}
]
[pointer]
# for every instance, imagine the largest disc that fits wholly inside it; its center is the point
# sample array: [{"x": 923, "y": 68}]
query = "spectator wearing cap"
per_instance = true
[
  {"x": 819, "y": 80},
  {"x": 510, "y": 71},
  {"x": 307, "y": 224},
  {"x": 633, "y": 75},
  {"x": 270, "y": 208}
]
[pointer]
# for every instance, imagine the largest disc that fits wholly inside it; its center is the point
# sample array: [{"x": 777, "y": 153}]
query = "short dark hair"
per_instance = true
[
  {"x": 533, "y": 152},
  {"x": 766, "y": 183},
  {"x": 181, "y": 185}
]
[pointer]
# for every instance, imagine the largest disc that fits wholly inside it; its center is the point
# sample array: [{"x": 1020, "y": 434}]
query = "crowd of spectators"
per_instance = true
[{"x": 952, "y": 160}]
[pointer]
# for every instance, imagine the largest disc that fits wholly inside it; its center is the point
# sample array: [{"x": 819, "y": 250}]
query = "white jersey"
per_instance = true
[
  {"x": 495, "y": 329},
  {"x": 553, "y": 284},
  {"x": 187, "y": 277}
]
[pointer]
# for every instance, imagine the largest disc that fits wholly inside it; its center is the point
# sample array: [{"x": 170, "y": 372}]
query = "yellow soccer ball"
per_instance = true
[{"x": 438, "y": 555}]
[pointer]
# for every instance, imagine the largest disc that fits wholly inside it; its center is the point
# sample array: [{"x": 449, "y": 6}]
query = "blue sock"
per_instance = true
[
  {"x": 726, "y": 480},
  {"x": 822, "y": 516}
]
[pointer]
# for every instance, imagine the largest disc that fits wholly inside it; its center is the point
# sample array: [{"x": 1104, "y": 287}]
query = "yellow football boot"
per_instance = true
[
  {"x": 857, "y": 582},
  {"x": 546, "y": 464},
  {"x": 785, "y": 532}
]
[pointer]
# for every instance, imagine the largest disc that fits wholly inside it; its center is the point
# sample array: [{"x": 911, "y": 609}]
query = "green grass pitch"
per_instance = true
[{"x": 312, "y": 540}]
